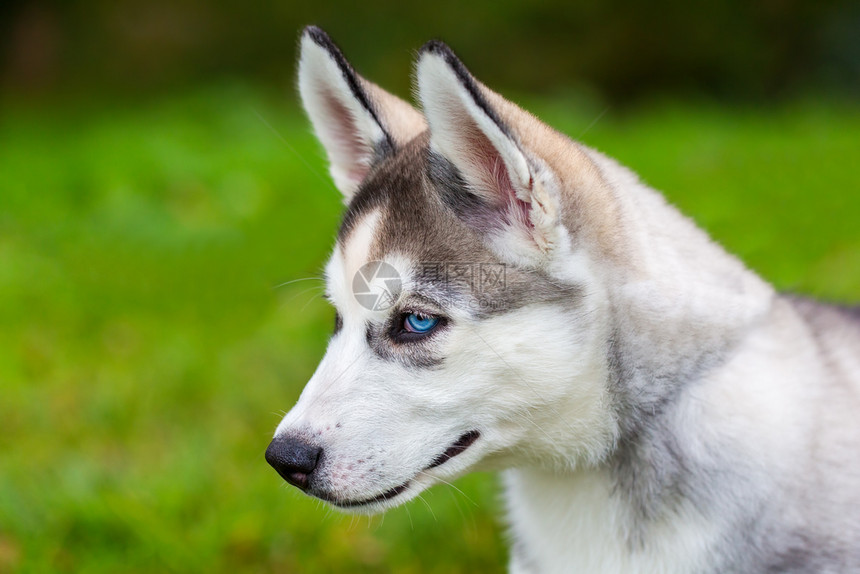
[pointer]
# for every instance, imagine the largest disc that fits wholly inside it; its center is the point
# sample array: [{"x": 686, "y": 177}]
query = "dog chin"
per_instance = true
[
  {"x": 382, "y": 502},
  {"x": 377, "y": 505}
]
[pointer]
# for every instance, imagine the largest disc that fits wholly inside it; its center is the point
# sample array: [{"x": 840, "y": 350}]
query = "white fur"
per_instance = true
[
  {"x": 730, "y": 386},
  {"x": 523, "y": 383},
  {"x": 573, "y": 523}
]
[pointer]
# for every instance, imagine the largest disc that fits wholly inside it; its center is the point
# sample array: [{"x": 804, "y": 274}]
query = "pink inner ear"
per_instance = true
[
  {"x": 494, "y": 173},
  {"x": 349, "y": 150}
]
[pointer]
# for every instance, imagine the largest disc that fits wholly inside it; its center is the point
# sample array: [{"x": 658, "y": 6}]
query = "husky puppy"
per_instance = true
[{"x": 509, "y": 299}]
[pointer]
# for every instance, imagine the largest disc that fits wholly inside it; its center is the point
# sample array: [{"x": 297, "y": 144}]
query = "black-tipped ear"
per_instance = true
[
  {"x": 477, "y": 92},
  {"x": 357, "y": 122},
  {"x": 478, "y": 132}
]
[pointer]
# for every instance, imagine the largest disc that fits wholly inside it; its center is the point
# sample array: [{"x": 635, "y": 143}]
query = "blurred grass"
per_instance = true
[{"x": 146, "y": 352}]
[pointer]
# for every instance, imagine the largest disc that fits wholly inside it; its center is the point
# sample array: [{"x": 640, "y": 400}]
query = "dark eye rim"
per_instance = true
[{"x": 399, "y": 333}]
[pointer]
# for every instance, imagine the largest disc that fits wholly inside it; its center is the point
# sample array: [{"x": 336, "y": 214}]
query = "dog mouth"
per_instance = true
[
  {"x": 356, "y": 503},
  {"x": 461, "y": 444}
]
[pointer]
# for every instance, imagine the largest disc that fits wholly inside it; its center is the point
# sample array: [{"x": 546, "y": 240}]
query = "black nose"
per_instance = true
[{"x": 294, "y": 459}]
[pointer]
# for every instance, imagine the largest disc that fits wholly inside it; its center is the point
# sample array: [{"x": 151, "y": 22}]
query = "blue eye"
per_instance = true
[{"x": 418, "y": 323}]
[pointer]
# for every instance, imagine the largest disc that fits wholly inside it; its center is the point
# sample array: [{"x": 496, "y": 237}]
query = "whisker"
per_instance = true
[
  {"x": 409, "y": 514},
  {"x": 311, "y": 300},
  {"x": 427, "y": 504},
  {"x": 285, "y": 283},
  {"x": 300, "y": 293},
  {"x": 443, "y": 481}
]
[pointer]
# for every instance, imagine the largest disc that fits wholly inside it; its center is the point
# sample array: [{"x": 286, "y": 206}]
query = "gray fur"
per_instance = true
[
  {"x": 735, "y": 407},
  {"x": 428, "y": 218},
  {"x": 430, "y": 215}
]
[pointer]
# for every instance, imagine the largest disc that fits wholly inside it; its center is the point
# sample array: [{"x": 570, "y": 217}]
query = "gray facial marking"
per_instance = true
[
  {"x": 428, "y": 217},
  {"x": 452, "y": 190},
  {"x": 431, "y": 218},
  {"x": 422, "y": 354}
]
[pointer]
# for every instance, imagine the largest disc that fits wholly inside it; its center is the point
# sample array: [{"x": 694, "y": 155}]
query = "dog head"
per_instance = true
[{"x": 470, "y": 318}]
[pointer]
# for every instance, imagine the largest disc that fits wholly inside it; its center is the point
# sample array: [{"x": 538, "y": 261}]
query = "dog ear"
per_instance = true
[
  {"x": 357, "y": 122},
  {"x": 498, "y": 185}
]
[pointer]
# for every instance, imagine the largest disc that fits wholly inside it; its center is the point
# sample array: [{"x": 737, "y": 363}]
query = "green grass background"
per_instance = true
[{"x": 147, "y": 352}]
